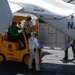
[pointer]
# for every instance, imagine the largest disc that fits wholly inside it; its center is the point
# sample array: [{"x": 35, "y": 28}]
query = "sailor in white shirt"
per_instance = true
[
  {"x": 24, "y": 25},
  {"x": 34, "y": 52}
]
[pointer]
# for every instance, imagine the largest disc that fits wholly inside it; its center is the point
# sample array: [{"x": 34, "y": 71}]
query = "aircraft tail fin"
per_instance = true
[{"x": 5, "y": 15}]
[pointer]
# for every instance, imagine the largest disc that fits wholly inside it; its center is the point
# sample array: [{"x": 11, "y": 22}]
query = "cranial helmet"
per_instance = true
[
  {"x": 33, "y": 33},
  {"x": 29, "y": 18},
  {"x": 14, "y": 23}
]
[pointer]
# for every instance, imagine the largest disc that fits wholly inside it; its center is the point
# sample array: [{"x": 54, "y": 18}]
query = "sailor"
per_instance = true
[
  {"x": 72, "y": 44},
  {"x": 34, "y": 51},
  {"x": 25, "y": 25}
]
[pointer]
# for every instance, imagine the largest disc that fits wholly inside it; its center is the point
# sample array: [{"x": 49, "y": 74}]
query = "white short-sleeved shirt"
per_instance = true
[
  {"x": 33, "y": 43},
  {"x": 24, "y": 25}
]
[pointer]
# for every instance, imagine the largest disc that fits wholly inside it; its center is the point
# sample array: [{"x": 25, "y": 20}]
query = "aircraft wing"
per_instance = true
[
  {"x": 5, "y": 15},
  {"x": 14, "y": 7}
]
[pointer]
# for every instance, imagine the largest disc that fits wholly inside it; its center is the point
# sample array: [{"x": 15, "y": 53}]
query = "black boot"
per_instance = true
[
  {"x": 65, "y": 58},
  {"x": 66, "y": 54},
  {"x": 74, "y": 56}
]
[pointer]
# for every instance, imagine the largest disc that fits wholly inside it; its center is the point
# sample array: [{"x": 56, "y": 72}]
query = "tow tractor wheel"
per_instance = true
[
  {"x": 26, "y": 59},
  {"x": 2, "y": 58}
]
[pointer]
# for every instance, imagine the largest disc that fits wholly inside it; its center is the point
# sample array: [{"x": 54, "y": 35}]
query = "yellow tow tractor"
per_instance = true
[{"x": 11, "y": 50}]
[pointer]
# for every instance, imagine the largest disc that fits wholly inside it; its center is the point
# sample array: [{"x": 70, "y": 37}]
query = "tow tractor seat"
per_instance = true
[{"x": 11, "y": 44}]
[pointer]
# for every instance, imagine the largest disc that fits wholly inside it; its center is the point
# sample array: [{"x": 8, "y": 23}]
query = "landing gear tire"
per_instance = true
[
  {"x": 26, "y": 59},
  {"x": 2, "y": 58}
]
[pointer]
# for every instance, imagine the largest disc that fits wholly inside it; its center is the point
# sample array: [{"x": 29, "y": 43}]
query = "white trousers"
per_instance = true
[{"x": 34, "y": 55}]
